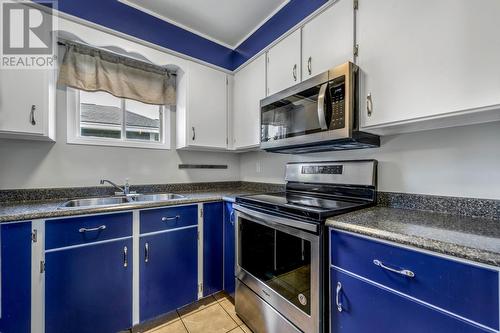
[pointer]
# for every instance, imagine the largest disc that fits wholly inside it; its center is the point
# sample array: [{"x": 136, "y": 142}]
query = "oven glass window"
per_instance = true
[{"x": 280, "y": 260}]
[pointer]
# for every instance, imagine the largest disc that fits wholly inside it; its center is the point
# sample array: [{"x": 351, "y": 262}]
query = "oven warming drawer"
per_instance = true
[{"x": 258, "y": 315}]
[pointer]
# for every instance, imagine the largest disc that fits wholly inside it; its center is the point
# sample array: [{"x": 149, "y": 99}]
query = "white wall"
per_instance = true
[
  {"x": 33, "y": 164},
  {"x": 461, "y": 161}
]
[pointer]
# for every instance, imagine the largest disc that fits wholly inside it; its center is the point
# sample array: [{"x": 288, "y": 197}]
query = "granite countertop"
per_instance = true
[
  {"x": 472, "y": 238},
  {"x": 21, "y": 211}
]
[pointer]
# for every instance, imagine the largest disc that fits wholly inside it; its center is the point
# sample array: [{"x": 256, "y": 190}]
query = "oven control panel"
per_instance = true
[{"x": 322, "y": 170}]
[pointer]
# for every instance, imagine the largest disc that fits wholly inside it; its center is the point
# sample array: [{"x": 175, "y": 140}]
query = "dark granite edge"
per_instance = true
[
  {"x": 432, "y": 245},
  {"x": 66, "y": 193},
  {"x": 471, "y": 207}
]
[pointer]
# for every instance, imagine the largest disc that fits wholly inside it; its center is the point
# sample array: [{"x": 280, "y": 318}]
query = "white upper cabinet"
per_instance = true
[
  {"x": 27, "y": 109},
  {"x": 202, "y": 108},
  {"x": 283, "y": 64},
  {"x": 328, "y": 39},
  {"x": 427, "y": 59},
  {"x": 249, "y": 89}
]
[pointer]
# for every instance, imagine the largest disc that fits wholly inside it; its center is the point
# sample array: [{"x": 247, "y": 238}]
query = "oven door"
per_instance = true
[{"x": 280, "y": 263}]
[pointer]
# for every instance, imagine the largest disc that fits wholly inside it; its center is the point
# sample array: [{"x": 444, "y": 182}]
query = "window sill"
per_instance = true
[{"x": 89, "y": 141}]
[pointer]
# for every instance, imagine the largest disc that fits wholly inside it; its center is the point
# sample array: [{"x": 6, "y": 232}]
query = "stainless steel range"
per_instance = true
[{"x": 281, "y": 258}]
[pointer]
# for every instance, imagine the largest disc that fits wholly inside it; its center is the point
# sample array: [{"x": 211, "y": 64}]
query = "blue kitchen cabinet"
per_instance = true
[
  {"x": 89, "y": 288},
  {"x": 15, "y": 268},
  {"x": 168, "y": 265},
  {"x": 229, "y": 248},
  {"x": 366, "y": 307},
  {"x": 213, "y": 250}
]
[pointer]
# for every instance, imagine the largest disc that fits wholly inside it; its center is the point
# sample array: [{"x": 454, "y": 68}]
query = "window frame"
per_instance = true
[{"x": 74, "y": 134}]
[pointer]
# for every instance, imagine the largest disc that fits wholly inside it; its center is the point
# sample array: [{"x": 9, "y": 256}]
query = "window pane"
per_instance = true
[
  {"x": 143, "y": 121},
  {"x": 100, "y": 115}
]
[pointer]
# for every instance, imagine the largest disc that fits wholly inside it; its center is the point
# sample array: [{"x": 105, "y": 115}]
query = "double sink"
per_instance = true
[{"x": 120, "y": 200}]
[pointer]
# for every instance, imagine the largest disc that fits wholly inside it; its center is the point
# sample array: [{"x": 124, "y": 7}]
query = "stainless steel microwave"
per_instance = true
[{"x": 319, "y": 114}]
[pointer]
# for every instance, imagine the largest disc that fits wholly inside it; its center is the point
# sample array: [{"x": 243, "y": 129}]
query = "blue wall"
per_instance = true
[{"x": 120, "y": 17}]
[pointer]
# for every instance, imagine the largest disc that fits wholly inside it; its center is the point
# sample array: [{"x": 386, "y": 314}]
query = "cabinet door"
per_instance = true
[
  {"x": 168, "y": 271},
  {"x": 15, "y": 278},
  {"x": 328, "y": 39},
  {"x": 229, "y": 248},
  {"x": 22, "y": 91},
  {"x": 369, "y": 308},
  {"x": 425, "y": 58},
  {"x": 283, "y": 64},
  {"x": 249, "y": 89},
  {"x": 207, "y": 107},
  {"x": 89, "y": 288},
  {"x": 212, "y": 248}
]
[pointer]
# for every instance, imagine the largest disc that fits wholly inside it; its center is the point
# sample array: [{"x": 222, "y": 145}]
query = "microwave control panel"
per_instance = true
[{"x": 337, "y": 92}]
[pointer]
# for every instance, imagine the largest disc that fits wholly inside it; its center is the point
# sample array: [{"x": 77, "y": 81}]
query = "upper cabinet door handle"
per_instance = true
[
  {"x": 32, "y": 115},
  {"x": 404, "y": 272},
  {"x": 294, "y": 72},
  {"x": 369, "y": 105},
  {"x": 309, "y": 65},
  {"x": 194, "y": 133}
]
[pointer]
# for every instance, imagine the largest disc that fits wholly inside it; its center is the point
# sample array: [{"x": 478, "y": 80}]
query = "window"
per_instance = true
[{"x": 102, "y": 119}]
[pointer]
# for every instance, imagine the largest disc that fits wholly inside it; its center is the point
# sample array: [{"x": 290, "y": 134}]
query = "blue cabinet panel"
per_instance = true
[
  {"x": 467, "y": 290},
  {"x": 66, "y": 232},
  {"x": 88, "y": 289},
  {"x": 229, "y": 248},
  {"x": 15, "y": 268},
  {"x": 168, "y": 271},
  {"x": 213, "y": 250},
  {"x": 368, "y": 308},
  {"x": 168, "y": 218}
]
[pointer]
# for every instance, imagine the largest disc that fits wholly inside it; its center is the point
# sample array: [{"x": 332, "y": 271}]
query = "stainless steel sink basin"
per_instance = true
[
  {"x": 157, "y": 197},
  {"x": 95, "y": 202},
  {"x": 121, "y": 200}
]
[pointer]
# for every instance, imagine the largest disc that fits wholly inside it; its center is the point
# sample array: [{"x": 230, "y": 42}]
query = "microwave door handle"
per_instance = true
[{"x": 321, "y": 107}]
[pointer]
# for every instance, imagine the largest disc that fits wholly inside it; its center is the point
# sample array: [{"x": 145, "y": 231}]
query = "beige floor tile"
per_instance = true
[
  {"x": 229, "y": 307},
  {"x": 197, "y": 306},
  {"x": 212, "y": 319},
  {"x": 245, "y": 329},
  {"x": 173, "y": 327},
  {"x": 237, "y": 330},
  {"x": 158, "y": 322}
]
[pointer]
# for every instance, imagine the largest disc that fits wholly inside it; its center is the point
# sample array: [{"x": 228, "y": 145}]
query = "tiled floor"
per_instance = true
[{"x": 214, "y": 314}]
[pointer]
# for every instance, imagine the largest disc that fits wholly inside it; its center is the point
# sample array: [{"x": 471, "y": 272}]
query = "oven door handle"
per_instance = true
[
  {"x": 271, "y": 219},
  {"x": 322, "y": 112}
]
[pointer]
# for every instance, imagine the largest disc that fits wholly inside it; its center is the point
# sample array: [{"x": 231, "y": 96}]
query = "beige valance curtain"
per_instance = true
[{"x": 92, "y": 69}]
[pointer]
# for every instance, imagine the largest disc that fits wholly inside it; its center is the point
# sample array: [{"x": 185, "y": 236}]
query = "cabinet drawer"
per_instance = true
[
  {"x": 466, "y": 290},
  {"x": 87, "y": 229},
  {"x": 168, "y": 218}
]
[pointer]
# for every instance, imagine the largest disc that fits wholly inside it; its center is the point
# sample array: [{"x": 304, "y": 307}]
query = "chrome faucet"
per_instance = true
[{"x": 125, "y": 190}]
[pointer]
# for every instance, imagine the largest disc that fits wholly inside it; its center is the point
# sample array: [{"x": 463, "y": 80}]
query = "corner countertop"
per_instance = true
[
  {"x": 23, "y": 211},
  {"x": 471, "y": 238}
]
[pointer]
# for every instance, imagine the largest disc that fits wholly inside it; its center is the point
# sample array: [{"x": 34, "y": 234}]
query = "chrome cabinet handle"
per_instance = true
[
  {"x": 170, "y": 218},
  {"x": 321, "y": 107},
  {"x": 99, "y": 228},
  {"x": 146, "y": 252},
  {"x": 404, "y": 272},
  {"x": 125, "y": 256},
  {"x": 337, "y": 297},
  {"x": 294, "y": 72},
  {"x": 309, "y": 65},
  {"x": 32, "y": 115},
  {"x": 231, "y": 217},
  {"x": 369, "y": 105},
  {"x": 194, "y": 133}
]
